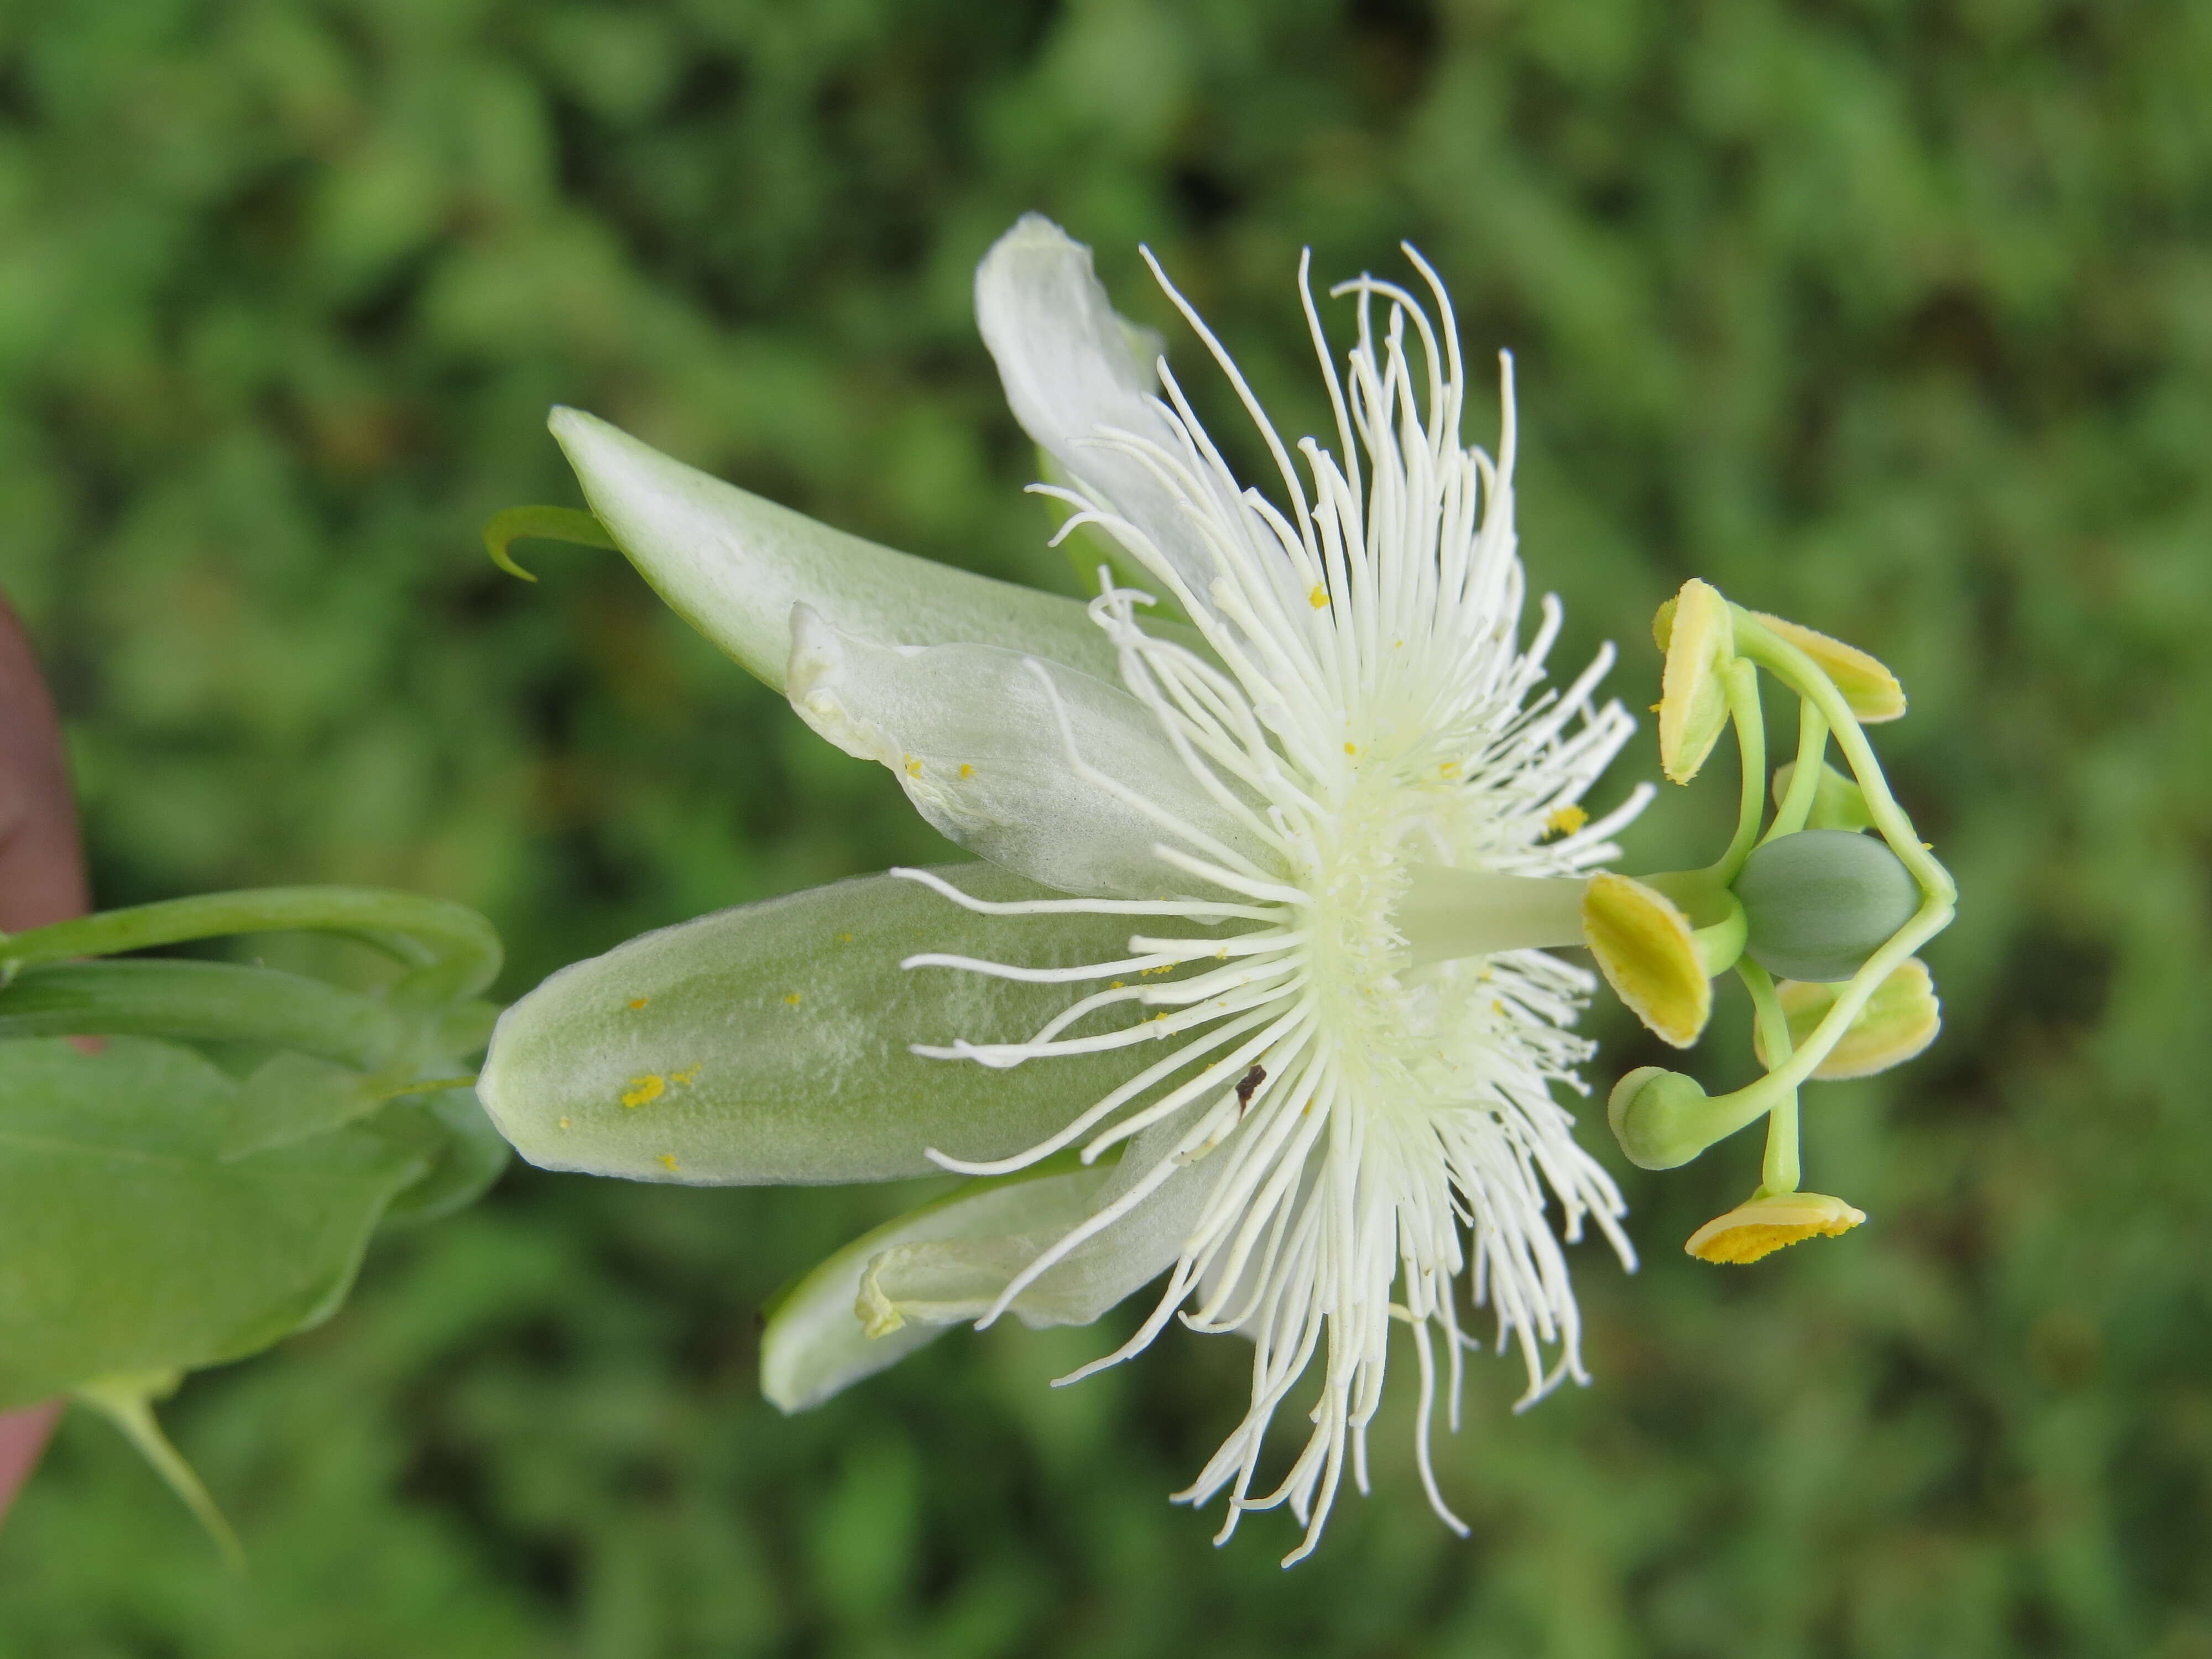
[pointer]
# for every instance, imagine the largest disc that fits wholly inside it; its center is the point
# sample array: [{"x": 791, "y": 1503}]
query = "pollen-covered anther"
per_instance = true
[
  {"x": 1762, "y": 1224},
  {"x": 1645, "y": 947},
  {"x": 1695, "y": 631}
]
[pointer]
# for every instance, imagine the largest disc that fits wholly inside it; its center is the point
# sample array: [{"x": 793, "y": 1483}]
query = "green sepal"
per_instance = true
[
  {"x": 128, "y": 1243},
  {"x": 452, "y": 1133},
  {"x": 771, "y": 1043},
  {"x": 815, "y": 1343}
]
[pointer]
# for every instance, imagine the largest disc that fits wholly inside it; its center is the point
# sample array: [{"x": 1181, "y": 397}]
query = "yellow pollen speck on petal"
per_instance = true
[
  {"x": 1450, "y": 769},
  {"x": 685, "y": 1076},
  {"x": 1763, "y": 1225},
  {"x": 643, "y": 1091},
  {"x": 790, "y": 999},
  {"x": 1565, "y": 820},
  {"x": 1351, "y": 749},
  {"x": 1222, "y": 955},
  {"x": 668, "y": 1162},
  {"x": 1657, "y": 707},
  {"x": 1116, "y": 986},
  {"x": 564, "y": 1122},
  {"x": 1319, "y": 598},
  {"x": 913, "y": 767},
  {"x": 966, "y": 770},
  {"x": 636, "y": 1003},
  {"x": 844, "y": 939}
]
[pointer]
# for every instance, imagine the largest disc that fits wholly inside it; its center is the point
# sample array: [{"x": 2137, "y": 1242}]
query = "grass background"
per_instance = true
[{"x": 1893, "y": 318}]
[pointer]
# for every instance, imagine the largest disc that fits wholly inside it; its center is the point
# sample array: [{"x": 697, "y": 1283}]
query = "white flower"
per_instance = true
[{"x": 1317, "y": 1085}]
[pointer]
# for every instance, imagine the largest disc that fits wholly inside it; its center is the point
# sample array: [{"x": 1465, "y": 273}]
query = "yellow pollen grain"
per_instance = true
[
  {"x": 564, "y": 1122},
  {"x": 1222, "y": 955},
  {"x": 1319, "y": 598},
  {"x": 966, "y": 770},
  {"x": 844, "y": 939},
  {"x": 791, "y": 1000},
  {"x": 1657, "y": 707},
  {"x": 636, "y": 1003},
  {"x": 668, "y": 1162},
  {"x": 913, "y": 767},
  {"x": 1449, "y": 768},
  {"x": 1116, "y": 985},
  {"x": 1565, "y": 820},
  {"x": 1351, "y": 749},
  {"x": 684, "y": 1077},
  {"x": 644, "y": 1091}
]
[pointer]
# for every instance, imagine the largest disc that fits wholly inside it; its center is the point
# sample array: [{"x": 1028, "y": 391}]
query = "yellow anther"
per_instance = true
[
  {"x": 1565, "y": 820},
  {"x": 1763, "y": 1225},
  {"x": 1319, "y": 598},
  {"x": 1643, "y": 944},
  {"x": 1900, "y": 1018},
  {"x": 1699, "y": 636},
  {"x": 643, "y": 1091},
  {"x": 668, "y": 1162},
  {"x": 1870, "y": 690}
]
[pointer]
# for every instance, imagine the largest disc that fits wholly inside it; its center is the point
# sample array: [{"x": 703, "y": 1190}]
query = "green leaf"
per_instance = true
[
  {"x": 816, "y": 1345},
  {"x": 732, "y": 565},
  {"x": 129, "y": 1244},
  {"x": 770, "y": 1043}
]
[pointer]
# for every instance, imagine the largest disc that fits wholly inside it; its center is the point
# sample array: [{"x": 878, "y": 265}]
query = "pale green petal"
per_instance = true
[
  {"x": 770, "y": 1043},
  {"x": 815, "y": 1344},
  {"x": 732, "y": 565},
  {"x": 1071, "y": 367},
  {"x": 963, "y": 1277},
  {"x": 975, "y": 736}
]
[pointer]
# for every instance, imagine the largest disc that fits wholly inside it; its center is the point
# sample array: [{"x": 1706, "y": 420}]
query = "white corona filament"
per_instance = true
[{"x": 1368, "y": 708}]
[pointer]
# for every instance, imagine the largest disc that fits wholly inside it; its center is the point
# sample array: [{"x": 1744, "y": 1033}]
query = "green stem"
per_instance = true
[
  {"x": 452, "y": 950},
  {"x": 201, "y": 1002},
  {"x": 1751, "y": 747},
  {"x": 1805, "y": 779},
  {"x": 1780, "y": 1172}
]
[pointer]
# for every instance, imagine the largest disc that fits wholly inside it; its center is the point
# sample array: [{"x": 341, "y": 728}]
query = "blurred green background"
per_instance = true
[{"x": 1895, "y": 318}]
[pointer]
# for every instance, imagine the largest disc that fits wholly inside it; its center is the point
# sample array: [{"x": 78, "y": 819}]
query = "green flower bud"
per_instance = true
[{"x": 1819, "y": 902}]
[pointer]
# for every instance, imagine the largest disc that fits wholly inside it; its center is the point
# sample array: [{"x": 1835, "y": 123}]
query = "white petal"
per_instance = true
[
  {"x": 1070, "y": 367},
  {"x": 976, "y": 736},
  {"x": 815, "y": 1344},
  {"x": 732, "y": 565}
]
